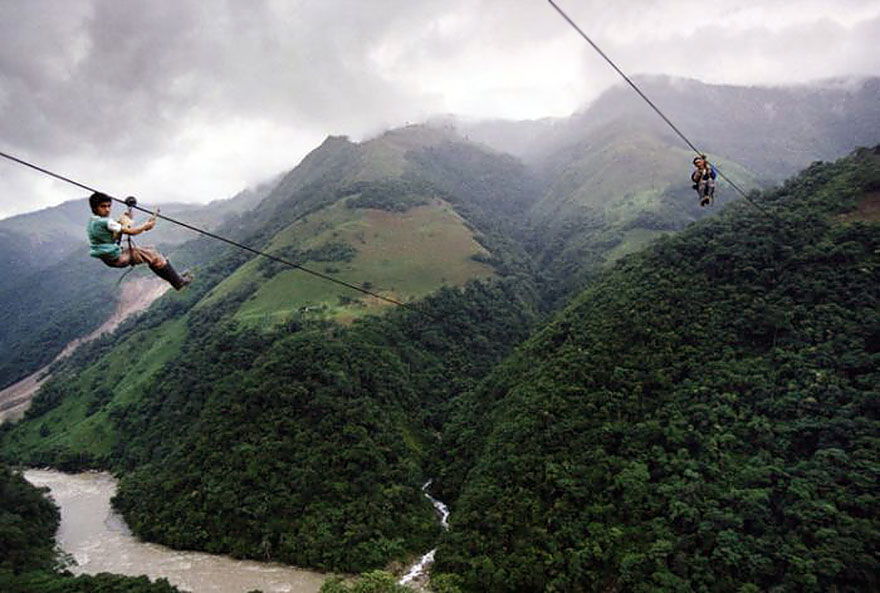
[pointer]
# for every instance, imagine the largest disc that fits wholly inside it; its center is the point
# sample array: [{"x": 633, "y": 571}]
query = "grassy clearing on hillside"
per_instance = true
[
  {"x": 80, "y": 425},
  {"x": 594, "y": 179},
  {"x": 399, "y": 255}
]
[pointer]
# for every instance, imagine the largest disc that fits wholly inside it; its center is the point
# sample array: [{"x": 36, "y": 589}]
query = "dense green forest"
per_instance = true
[
  {"x": 305, "y": 441},
  {"x": 703, "y": 418},
  {"x": 307, "y": 444},
  {"x": 28, "y": 562}
]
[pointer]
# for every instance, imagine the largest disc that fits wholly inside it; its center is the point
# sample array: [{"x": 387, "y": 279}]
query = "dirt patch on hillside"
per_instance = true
[
  {"x": 16, "y": 398},
  {"x": 868, "y": 209},
  {"x": 135, "y": 296}
]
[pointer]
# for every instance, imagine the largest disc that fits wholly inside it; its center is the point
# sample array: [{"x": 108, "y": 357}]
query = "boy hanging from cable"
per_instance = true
[
  {"x": 704, "y": 180},
  {"x": 105, "y": 234}
]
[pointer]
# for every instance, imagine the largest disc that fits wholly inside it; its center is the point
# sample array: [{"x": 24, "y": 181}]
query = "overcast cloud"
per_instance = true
[{"x": 189, "y": 100}]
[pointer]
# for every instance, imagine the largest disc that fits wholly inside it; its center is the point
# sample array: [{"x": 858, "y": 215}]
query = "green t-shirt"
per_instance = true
[{"x": 100, "y": 230}]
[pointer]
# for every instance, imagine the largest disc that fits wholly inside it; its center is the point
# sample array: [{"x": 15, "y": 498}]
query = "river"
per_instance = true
[{"x": 98, "y": 539}]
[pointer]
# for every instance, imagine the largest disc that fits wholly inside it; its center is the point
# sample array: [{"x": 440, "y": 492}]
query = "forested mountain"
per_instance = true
[
  {"x": 773, "y": 131},
  {"x": 617, "y": 176},
  {"x": 595, "y": 186},
  {"x": 703, "y": 418},
  {"x": 324, "y": 467},
  {"x": 268, "y": 414},
  {"x": 30, "y": 242},
  {"x": 40, "y": 314},
  {"x": 615, "y": 194},
  {"x": 406, "y": 213}
]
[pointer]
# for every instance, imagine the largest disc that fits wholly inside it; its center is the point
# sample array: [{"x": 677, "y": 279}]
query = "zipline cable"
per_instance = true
[
  {"x": 654, "y": 107},
  {"x": 224, "y": 239}
]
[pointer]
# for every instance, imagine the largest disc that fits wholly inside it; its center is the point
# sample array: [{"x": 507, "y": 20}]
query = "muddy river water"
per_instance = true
[{"x": 98, "y": 539}]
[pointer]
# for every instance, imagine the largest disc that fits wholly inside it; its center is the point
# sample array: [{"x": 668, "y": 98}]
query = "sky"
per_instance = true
[{"x": 190, "y": 100}]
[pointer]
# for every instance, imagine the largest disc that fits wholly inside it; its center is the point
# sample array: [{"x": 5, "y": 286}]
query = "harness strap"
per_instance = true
[
  {"x": 130, "y": 202},
  {"x": 131, "y": 262},
  {"x": 130, "y": 252}
]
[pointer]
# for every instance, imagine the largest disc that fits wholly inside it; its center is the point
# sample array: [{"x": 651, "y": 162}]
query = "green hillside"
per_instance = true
[
  {"x": 42, "y": 312},
  {"x": 306, "y": 443},
  {"x": 267, "y": 390},
  {"x": 267, "y": 414},
  {"x": 400, "y": 255},
  {"x": 617, "y": 177},
  {"x": 395, "y": 236},
  {"x": 703, "y": 418},
  {"x": 74, "y": 427},
  {"x": 402, "y": 215},
  {"x": 613, "y": 194},
  {"x": 245, "y": 420},
  {"x": 53, "y": 292}
]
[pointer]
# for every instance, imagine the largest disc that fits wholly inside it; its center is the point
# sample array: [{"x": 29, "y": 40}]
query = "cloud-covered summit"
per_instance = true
[{"x": 188, "y": 100}]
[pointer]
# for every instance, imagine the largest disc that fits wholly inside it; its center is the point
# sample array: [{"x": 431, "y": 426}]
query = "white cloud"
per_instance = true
[{"x": 184, "y": 99}]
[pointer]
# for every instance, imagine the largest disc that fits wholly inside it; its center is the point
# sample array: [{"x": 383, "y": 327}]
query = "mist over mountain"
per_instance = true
[
  {"x": 615, "y": 176},
  {"x": 601, "y": 183},
  {"x": 609, "y": 381},
  {"x": 773, "y": 131}
]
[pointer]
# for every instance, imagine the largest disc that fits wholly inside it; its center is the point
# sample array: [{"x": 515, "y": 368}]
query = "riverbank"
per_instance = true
[{"x": 96, "y": 537}]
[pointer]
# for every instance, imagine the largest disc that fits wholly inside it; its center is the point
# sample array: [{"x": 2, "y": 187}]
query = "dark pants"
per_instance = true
[{"x": 706, "y": 189}]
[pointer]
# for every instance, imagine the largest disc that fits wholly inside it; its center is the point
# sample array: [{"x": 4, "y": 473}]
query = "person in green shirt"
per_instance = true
[{"x": 104, "y": 234}]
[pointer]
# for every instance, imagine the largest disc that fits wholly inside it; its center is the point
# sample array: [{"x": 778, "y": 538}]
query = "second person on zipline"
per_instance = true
[
  {"x": 104, "y": 234},
  {"x": 704, "y": 180}
]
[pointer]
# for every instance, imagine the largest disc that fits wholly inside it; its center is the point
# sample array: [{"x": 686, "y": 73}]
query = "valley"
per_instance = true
[{"x": 614, "y": 389}]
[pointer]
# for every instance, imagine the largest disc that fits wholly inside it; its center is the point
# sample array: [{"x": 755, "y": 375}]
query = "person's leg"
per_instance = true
[
  {"x": 122, "y": 261},
  {"x": 160, "y": 266},
  {"x": 701, "y": 191},
  {"x": 146, "y": 255},
  {"x": 163, "y": 268},
  {"x": 170, "y": 275},
  {"x": 157, "y": 262}
]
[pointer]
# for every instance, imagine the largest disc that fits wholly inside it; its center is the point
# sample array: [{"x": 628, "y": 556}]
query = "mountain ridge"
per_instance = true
[
  {"x": 231, "y": 435},
  {"x": 714, "y": 117},
  {"x": 675, "y": 425}
]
